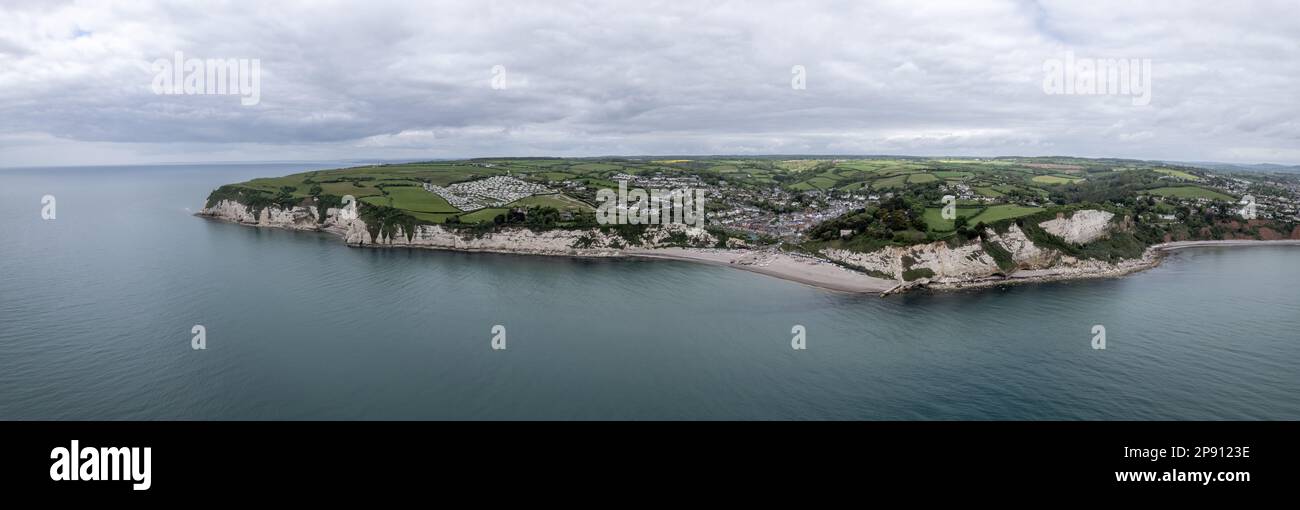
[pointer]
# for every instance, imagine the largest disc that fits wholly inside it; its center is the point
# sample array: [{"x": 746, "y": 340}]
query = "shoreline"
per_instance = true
[
  {"x": 826, "y": 275},
  {"x": 1178, "y": 245},
  {"x": 802, "y": 269},
  {"x": 1150, "y": 259},
  {"x": 805, "y": 270}
]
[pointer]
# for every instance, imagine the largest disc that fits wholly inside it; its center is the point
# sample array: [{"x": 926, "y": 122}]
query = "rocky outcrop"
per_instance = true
[
  {"x": 1024, "y": 252},
  {"x": 1082, "y": 227},
  {"x": 296, "y": 218}
]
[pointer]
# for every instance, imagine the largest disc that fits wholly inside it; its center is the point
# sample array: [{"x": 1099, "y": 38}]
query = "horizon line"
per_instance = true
[{"x": 629, "y": 156}]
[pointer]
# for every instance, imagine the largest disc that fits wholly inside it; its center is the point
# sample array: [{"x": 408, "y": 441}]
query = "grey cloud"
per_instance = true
[{"x": 397, "y": 79}]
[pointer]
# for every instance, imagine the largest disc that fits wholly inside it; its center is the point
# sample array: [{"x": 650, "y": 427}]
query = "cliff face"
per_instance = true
[
  {"x": 945, "y": 262},
  {"x": 1081, "y": 228},
  {"x": 1001, "y": 257},
  {"x": 939, "y": 264},
  {"x": 516, "y": 240},
  {"x": 346, "y": 223},
  {"x": 296, "y": 218}
]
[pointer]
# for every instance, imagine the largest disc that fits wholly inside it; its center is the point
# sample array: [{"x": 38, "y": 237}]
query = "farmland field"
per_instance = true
[
  {"x": 417, "y": 200},
  {"x": 989, "y": 192},
  {"x": 557, "y": 201},
  {"x": 482, "y": 215},
  {"x": 432, "y": 217},
  {"x": 822, "y": 182},
  {"x": 934, "y": 218},
  {"x": 1052, "y": 179},
  {"x": 1178, "y": 173},
  {"x": 1002, "y": 212},
  {"x": 798, "y": 165},
  {"x": 896, "y": 181}
]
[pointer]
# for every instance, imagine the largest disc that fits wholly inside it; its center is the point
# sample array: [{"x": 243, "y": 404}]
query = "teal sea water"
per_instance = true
[{"x": 97, "y": 306}]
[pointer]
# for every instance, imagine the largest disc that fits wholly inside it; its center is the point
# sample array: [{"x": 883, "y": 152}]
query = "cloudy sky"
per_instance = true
[{"x": 373, "y": 79}]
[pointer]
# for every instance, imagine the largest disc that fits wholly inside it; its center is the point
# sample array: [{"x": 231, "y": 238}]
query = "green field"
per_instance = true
[
  {"x": 1192, "y": 192},
  {"x": 600, "y": 183},
  {"x": 417, "y": 200},
  {"x": 345, "y": 188},
  {"x": 482, "y": 215},
  {"x": 558, "y": 201},
  {"x": 798, "y": 165},
  {"x": 432, "y": 217},
  {"x": 1002, "y": 212},
  {"x": 1053, "y": 179},
  {"x": 820, "y": 182},
  {"x": 934, "y": 218},
  {"x": 896, "y": 181},
  {"x": 1179, "y": 174},
  {"x": 921, "y": 178},
  {"x": 989, "y": 192}
]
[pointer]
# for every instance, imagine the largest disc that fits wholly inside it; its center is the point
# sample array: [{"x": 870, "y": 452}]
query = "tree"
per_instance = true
[{"x": 286, "y": 193}]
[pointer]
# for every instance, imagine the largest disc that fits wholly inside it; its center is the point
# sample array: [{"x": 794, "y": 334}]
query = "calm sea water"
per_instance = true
[{"x": 97, "y": 306}]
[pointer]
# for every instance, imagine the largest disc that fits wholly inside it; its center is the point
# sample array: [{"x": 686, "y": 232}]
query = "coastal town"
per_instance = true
[
  {"x": 855, "y": 224},
  {"x": 772, "y": 201}
]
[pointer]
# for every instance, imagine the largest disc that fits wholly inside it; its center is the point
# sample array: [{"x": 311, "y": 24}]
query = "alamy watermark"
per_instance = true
[
  {"x": 653, "y": 207},
  {"x": 1249, "y": 210},
  {"x": 199, "y": 341},
  {"x": 499, "y": 77},
  {"x": 214, "y": 76},
  {"x": 88, "y": 463},
  {"x": 1098, "y": 76},
  {"x": 949, "y": 210},
  {"x": 49, "y": 208},
  {"x": 498, "y": 337}
]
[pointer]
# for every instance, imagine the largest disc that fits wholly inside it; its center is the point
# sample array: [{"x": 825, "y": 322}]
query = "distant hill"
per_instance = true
[{"x": 1232, "y": 167}]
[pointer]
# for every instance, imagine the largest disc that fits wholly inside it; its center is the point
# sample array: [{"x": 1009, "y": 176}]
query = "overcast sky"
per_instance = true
[{"x": 344, "y": 80}]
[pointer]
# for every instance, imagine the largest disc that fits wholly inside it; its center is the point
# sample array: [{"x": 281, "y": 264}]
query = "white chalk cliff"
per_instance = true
[
  {"x": 346, "y": 223},
  {"x": 972, "y": 263},
  {"x": 935, "y": 264}
]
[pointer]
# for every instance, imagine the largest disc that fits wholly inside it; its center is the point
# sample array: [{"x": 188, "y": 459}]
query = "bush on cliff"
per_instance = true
[{"x": 387, "y": 220}]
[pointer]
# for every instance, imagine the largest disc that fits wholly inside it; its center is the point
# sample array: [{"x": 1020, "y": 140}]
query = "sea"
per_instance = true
[{"x": 102, "y": 305}]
